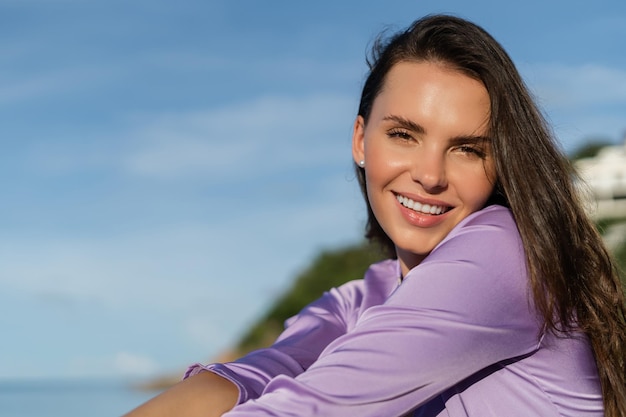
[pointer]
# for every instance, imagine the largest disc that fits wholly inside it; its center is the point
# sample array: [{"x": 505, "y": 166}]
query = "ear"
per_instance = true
[{"x": 358, "y": 140}]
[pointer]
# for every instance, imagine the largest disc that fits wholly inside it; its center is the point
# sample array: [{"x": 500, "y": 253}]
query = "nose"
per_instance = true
[{"x": 429, "y": 169}]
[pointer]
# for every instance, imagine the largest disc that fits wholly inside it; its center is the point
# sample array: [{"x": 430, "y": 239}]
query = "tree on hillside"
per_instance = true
[{"x": 590, "y": 148}]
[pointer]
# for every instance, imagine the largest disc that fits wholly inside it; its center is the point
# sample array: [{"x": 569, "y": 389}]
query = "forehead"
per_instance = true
[
  {"x": 435, "y": 93},
  {"x": 416, "y": 75}
]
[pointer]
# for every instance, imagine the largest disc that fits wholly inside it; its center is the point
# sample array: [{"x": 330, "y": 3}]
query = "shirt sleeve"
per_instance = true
[
  {"x": 465, "y": 307},
  {"x": 300, "y": 344}
]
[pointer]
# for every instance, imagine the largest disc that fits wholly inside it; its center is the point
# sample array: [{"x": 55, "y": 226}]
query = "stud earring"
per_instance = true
[{"x": 362, "y": 163}]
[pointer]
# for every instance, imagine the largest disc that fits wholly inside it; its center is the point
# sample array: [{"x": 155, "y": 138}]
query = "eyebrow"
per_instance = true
[
  {"x": 417, "y": 128},
  {"x": 406, "y": 123}
]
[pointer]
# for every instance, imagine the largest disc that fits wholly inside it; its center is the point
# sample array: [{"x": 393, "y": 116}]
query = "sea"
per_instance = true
[{"x": 76, "y": 398}]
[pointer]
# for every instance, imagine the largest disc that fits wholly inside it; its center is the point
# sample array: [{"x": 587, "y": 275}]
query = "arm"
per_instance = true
[
  {"x": 463, "y": 309},
  {"x": 214, "y": 392},
  {"x": 203, "y": 395},
  {"x": 300, "y": 344}
]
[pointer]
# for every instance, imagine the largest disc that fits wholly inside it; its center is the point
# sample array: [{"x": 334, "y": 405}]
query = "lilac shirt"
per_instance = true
[{"x": 458, "y": 337}]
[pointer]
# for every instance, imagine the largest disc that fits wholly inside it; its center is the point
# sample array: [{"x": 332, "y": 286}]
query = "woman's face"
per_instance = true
[{"x": 428, "y": 161}]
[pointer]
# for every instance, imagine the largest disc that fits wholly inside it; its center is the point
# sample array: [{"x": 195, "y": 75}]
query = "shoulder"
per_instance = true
[
  {"x": 378, "y": 281},
  {"x": 346, "y": 302},
  {"x": 490, "y": 235},
  {"x": 492, "y": 220},
  {"x": 481, "y": 261}
]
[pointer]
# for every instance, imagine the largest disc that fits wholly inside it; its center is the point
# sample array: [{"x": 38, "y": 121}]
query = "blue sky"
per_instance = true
[{"x": 167, "y": 167}]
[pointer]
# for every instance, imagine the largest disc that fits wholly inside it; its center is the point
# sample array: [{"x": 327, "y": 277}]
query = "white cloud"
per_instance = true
[
  {"x": 131, "y": 364},
  {"x": 32, "y": 84},
  {"x": 611, "y": 27},
  {"x": 582, "y": 102},
  {"x": 125, "y": 364},
  {"x": 175, "y": 265},
  {"x": 154, "y": 270},
  {"x": 33, "y": 87},
  {"x": 267, "y": 134},
  {"x": 577, "y": 86},
  {"x": 208, "y": 333},
  {"x": 247, "y": 140}
]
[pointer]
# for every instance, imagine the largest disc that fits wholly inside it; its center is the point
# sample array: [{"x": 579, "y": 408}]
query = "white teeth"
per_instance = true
[{"x": 422, "y": 208}]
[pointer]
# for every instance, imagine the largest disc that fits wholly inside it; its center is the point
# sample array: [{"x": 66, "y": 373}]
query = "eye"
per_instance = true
[
  {"x": 472, "y": 150},
  {"x": 401, "y": 134}
]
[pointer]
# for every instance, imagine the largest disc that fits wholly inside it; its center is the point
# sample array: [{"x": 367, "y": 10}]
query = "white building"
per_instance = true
[{"x": 605, "y": 177}]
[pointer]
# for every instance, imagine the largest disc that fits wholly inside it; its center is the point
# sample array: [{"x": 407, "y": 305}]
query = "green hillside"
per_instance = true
[{"x": 329, "y": 269}]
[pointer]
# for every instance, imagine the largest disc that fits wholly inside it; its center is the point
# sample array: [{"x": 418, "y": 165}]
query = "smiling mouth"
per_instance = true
[{"x": 421, "y": 208}]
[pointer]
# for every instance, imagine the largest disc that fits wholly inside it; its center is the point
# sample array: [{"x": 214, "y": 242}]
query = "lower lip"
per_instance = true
[{"x": 419, "y": 219}]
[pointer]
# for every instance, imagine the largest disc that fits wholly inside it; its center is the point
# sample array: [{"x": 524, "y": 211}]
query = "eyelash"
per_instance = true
[
  {"x": 400, "y": 134},
  {"x": 467, "y": 149},
  {"x": 472, "y": 150}
]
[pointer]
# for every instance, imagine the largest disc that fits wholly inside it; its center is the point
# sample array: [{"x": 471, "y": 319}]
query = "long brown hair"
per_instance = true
[{"x": 573, "y": 280}]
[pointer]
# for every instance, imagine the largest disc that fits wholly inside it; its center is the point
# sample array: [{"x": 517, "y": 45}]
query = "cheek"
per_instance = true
[
  {"x": 490, "y": 176},
  {"x": 382, "y": 162},
  {"x": 378, "y": 175},
  {"x": 380, "y": 172},
  {"x": 476, "y": 190}
]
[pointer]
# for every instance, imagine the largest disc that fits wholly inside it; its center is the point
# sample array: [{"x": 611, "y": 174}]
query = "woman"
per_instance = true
[{"x": 499, "y": 299}]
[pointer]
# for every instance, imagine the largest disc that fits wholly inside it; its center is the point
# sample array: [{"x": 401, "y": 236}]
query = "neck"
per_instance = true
[{"x": 408, "y": 260}]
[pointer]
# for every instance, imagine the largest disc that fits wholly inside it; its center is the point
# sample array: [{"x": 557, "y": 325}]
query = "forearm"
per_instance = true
[{"x": 203, "y": 395}]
